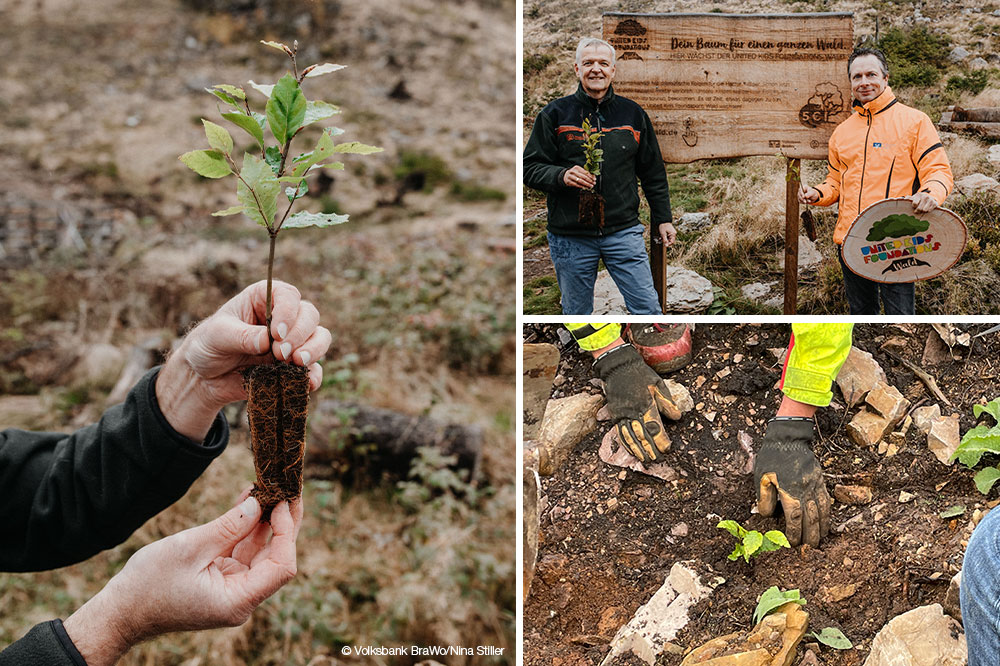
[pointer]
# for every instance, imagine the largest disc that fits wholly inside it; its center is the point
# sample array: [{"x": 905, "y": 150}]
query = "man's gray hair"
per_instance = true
[
  {"x": 863, "y": 51},
  {"x": 593, "y": 41}
]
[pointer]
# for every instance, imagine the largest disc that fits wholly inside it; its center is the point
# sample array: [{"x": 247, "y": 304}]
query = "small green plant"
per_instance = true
[
  {"x": 751, "y": 543},
  {"x": 981, "y": 440},
  {"x": 974, "y": 83},
  {"x": 592, "y": 148},
  {"x": 720, "y": 303},
  {"x": 772, "y": 599},
  {"x": 833, "y": 637}
]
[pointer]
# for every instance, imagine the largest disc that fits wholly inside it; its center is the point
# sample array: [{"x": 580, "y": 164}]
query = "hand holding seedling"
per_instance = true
[
  {"x": 808, "y": 195},
  {"x": 577, "y": 176},
  {"x": 786, "y": 471},
  {"x": 203, "y": 375},
  {"x": 206, "y": 577}
]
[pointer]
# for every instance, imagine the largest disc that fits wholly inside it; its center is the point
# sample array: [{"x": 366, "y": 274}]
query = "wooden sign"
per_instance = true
[
  {"x": 729, "y": 85},
  {"x": 891, "y": 243}
]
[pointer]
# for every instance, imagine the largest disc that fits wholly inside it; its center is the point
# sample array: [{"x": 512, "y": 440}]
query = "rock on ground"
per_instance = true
[
  {"x": 888, "y": 402},
  {"x": 859, "y": 374},
  {"x": 924, "y": 636},
  {"x": 772, "y": 642},
  {"x": 809, "y": 255},
  {"x": 687, "y": 292},
  {"x": 540, "y": 364},
  {"x": 977, "y": 182},
  {"x": 867, "y": 429},
  {"x": 952, "y": 605},
  {"x": 943, "y": 437},
  {"x": 924, "y": 416},
  {"x": 566, "y": 422},
  {"x": 692, "y": 222}
]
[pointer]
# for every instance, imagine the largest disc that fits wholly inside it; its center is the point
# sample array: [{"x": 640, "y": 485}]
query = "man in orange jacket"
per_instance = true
[{"x": 884, "y": 149}]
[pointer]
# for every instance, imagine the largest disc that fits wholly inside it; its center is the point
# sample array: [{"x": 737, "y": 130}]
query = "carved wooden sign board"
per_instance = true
[{"x": 729, "y": 85}]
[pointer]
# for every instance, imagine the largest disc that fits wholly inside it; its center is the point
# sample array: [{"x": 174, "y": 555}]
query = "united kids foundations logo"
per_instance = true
[{"x": 906, "y": 244}]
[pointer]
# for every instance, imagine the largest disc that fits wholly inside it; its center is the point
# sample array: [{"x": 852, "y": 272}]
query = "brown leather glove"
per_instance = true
[
  {"x": 636, "y": 397},
  {"x": 786, "y": 470}
]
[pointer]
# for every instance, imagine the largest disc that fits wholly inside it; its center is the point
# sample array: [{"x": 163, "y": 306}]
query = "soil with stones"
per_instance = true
[
  {"x": 609, "y": 536},
  {"x": 591, "y": 211}
]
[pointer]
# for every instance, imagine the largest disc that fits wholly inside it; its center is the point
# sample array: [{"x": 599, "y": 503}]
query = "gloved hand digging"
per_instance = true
[
  {"x": 786, "y": 470},
  {"x": 636, "y": 397}
]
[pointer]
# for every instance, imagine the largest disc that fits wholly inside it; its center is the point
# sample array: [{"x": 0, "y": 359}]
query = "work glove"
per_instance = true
[
  {"x": 636, "y": 397},
  {"x": 786, "y": 470}
]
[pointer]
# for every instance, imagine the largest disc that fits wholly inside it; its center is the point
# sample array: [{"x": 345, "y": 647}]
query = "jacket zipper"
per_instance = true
[{"x": 864, "y": 161}]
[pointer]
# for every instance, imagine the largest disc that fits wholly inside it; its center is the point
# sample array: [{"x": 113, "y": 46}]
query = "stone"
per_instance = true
[
  {"x": 757, "y": 291},
  {"x": 607, "y": 299},
  {"x": 613, "y": 453},
  {"x": 541, "y": 362},
  {"x": 648, "y": 634},
  {"x": 852, "y": 494},
  {"x": 977, "y": 182},
  {"x": 924, "y": 636},
  {"x": 687, "y": 292},
  {"x": 566, "y": 422},
  {"x": 993, "y": 155},
  {"x": 978, "y": 63},
  {"x": 611, "y": 619},
  {"x": 836, "y": 593},
  {"x": 958, "y": 54},
  {"x": 867, "y": 429},
  {"x": 943, "y": 437},
  {"x": 691, "y": 222},
  {"x": 809, "y": 255},
  {"x": 772, "y": 642},
  {"x": 680, "y": 396},
  {"x": 859, "y": 374},
  {"x": 952, "y": 606},
  {"x": 905, "y": 497},
  {"x": 529, "y": 527},
  {"x": 99, "y": 367},
  {"x": 923, "y": 416},
  {"x": 679, "y": 530},
  {"x": 888, "y": 402}
]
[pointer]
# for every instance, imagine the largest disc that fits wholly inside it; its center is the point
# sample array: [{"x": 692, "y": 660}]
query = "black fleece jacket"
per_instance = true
[
  {"x": 66, "y": 497},
  {"x": 631, "y": 152}
]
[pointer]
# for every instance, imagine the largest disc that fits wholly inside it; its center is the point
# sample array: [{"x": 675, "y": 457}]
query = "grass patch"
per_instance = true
[
  {"x": 471, "y": 192},
  {"x": 541, "y": 296},
  {"x": 535, "y": 232},
  {"x": 417, "y": 165}
]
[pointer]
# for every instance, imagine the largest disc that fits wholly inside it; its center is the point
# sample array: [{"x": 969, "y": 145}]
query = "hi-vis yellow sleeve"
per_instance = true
[
  {"x": 594, "y": 336},
  {"x": 815, "y": 354}
]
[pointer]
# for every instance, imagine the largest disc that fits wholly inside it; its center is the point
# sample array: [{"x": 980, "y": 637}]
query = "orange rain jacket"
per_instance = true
[{"x": 885, "y": 149}]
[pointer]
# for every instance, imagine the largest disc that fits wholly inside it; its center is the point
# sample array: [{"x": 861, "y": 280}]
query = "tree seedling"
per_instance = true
[
  {"x": 277, "y": 393},
  {"x": 591, "y": 210},
  {"x": 751, "y": 543},
  {"x": 981, "y": 440},
  {"x": 772, "y": 599}
]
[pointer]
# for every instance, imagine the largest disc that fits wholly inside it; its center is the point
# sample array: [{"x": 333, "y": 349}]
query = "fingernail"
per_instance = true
[
  {"x": 282, "y": 330},
  {"x": 250, "y": 507},
  {"x": 286, "y": 350},
  {"x": 306, "y": 357}
]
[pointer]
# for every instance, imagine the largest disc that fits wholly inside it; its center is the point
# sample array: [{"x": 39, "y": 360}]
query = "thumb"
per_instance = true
[
  {"x": 230, "y": 336},
  {"x": 233, "y": 526}
]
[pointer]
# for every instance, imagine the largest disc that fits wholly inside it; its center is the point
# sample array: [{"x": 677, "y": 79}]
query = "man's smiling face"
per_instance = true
[
  {"x": 595, "y": 70},
  {"x": 867, "y": 78}
]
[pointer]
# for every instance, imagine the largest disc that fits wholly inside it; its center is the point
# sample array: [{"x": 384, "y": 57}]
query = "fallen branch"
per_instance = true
[{"x": 927, "y": 379}]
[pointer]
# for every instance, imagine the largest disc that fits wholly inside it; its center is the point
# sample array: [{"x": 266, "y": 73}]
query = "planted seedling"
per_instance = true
[
  {"x": 277, "y": 393},
  {"x": 751, "y": 543},
  {"x": 772, "y": 599},
  {"x": 591, "y": 209},
  {"x": 981, "y": 440}
]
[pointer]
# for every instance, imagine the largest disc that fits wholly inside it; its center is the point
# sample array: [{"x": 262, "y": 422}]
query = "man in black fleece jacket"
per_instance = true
[
  {"x": 67, "y": 497},
  {"x": 553, "y": 163}
]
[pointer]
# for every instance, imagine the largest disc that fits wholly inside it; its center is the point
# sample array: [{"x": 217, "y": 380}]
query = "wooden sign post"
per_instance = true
[{"x": 733, "y": 85}]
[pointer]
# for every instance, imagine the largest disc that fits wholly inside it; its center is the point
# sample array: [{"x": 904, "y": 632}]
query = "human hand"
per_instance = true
[
  {"x": 808, "y": 195},
  {"x": 923, "y": 202},
  {"x": 786, "y": 470},
  {"x": 636, "y": 397},
  {"x": 577, "y": 176},
  {"x": 206, "y": 577},
  {"x": 667, "y": 233},
  {"x": 203, "y": 375}
]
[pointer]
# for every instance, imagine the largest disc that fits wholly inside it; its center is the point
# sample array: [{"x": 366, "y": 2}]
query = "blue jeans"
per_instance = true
[
  {"x": 980, "y": 592},
  {"x": 624, "y": 252},
  {"x": 863, "y": 294}
]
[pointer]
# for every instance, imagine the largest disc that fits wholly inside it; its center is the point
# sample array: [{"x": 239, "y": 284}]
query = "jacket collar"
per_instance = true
[
  {"x": 584, "y": 98},
  {"x": 877, "y": 105}
]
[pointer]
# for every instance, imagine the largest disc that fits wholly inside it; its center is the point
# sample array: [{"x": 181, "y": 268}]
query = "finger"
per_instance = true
[
  {"x": 227, "y": 337},
  {"x": 631, "y": 442},
  {"x": 299, "y": 330},
  {"x": 642, "y": 437},
  {"x": 666, "y": 406},
  {"x": 315, "y": 376},
  {"x": 245, "y": 493},
  {"x": 810, "y": 523},
  {"x": 265, "y": 577},
  {"x": 247, "y": 549},
  {"x": 655, "y": 432},
  {"x": 222, "y": 534},
  {"x": 297, "y": 510},
  {"x": 314, "y": 348},
  {"x": 768, "y": 490},
  {"x": 287, "y": 300},
  {"x": 825, "y": 506},
  {"x": 793, "y": 517}
]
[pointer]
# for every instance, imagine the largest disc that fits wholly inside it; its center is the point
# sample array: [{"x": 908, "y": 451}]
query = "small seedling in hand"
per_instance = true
[
  {"x": 981, "y": 440},
  {"x": 591, "y": 208},
  {"x": 592, "y": 148},
  {"x": 277, "y": 394},
  {"x": 751, "y": 543}
]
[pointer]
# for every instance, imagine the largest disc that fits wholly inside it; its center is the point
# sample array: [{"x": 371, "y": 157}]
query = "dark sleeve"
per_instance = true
[
  {"x": 541, "y": 156},
  {"x": 652, "y": 174},
  {"x": 47, "y": 644},
  {"x": 67, "y": 497}
]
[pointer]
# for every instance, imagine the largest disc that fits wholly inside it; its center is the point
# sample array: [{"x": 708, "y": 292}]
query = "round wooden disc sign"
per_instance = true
[{"x": 890, "y": 242}]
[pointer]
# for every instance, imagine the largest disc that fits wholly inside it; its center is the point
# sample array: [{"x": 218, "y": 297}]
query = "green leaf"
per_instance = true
[
  {"x": 952, "y": 511},
  {"x": 248, "y": 124},
  {"x": 324, "y": 149},
  {"x": 306, "y": 219},
  {"x": 992, "y": 408},
  {"x": 257, "y": 190},
  {"x": 833, "y": 637},
  {"x": 356, "y": 147},
  {"x": 777, "y": 537},
  {"x": 232, "y": 210},
  {"x": 218, "y": 137},
  {"x": 773, "y": 598},
  {"x": 985, "y": 479},
  {"x": 294, "y": 193},
  {"x": 272, "y": 155},
  {"x": 276, "y": 45},
  {"x": 737, "y": 552},
  {"x": 751, "y": 544},
  {"x": 261, "y": 88},
  {"x": 207, "y": 163},
  {"x": 317, "y": 110},
  {"x": 234, "y": 91},
  {"x": 325, "y": 68},
  {"x": 225, "y": 97},
  {"x": 339, "y": 166},
  {"x": 975, "y": 443},
  {"x": 732, "y": 527},
  {"x": 286, "y": 108}
]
